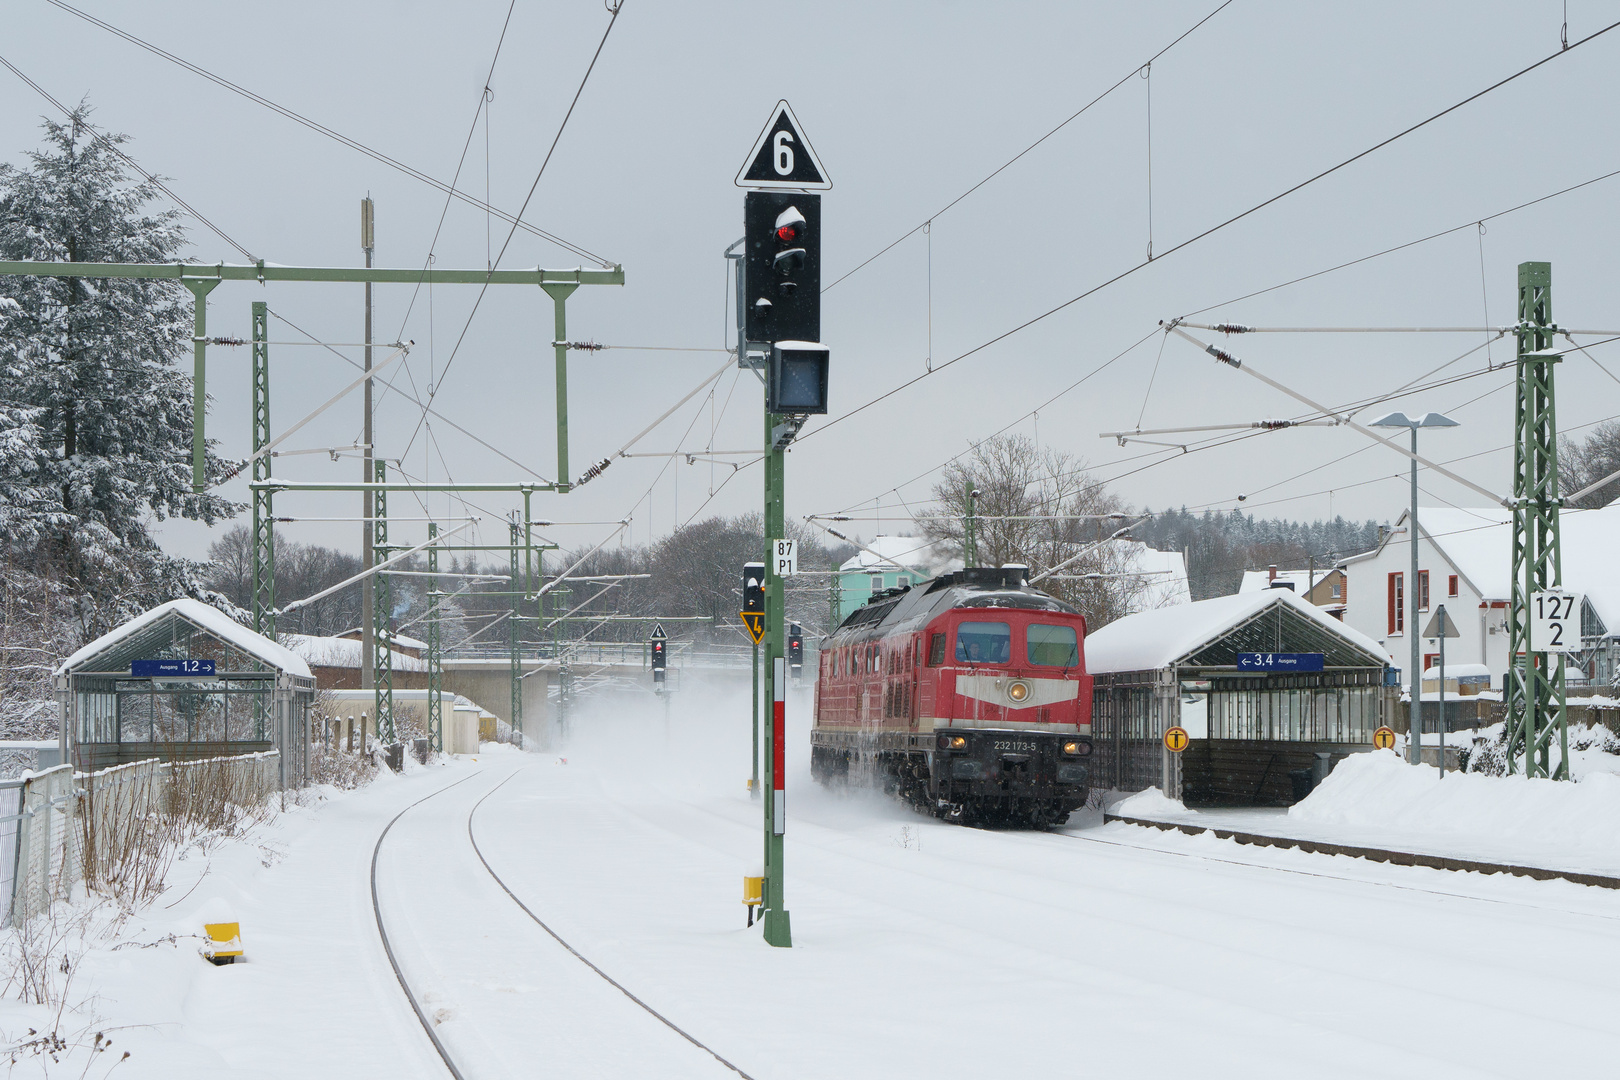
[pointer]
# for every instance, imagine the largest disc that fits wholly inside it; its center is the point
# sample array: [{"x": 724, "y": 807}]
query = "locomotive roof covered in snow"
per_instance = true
[{"x": 979, "y": 587}]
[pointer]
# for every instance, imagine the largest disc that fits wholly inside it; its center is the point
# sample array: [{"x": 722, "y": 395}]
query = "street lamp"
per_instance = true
[{"x": 1414, "y": 727}]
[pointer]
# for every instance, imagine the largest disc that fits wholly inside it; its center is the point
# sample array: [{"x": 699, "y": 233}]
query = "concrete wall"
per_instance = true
[{"x": 491, "y": 687}]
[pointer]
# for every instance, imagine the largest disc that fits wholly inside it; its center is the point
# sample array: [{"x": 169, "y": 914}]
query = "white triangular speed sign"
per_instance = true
[
  {"x": 658, "y": 632},
  {"x": 782, "y": 158}
]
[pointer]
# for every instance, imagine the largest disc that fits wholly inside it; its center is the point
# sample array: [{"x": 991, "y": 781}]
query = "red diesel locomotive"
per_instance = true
[{"x": 966, "y": 696}]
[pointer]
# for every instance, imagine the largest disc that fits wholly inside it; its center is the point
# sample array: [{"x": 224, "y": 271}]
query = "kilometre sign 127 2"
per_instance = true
[{"x": 1555, "y": 621}]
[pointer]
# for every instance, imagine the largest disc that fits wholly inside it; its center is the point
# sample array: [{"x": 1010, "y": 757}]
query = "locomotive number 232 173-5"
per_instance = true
[{"x": 1013, "y": 744}]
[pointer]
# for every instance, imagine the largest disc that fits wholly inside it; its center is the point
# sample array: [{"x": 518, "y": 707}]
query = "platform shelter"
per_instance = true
[
  {"x": 180, "y": 682},
  {"x": 1270, "y": 689}
]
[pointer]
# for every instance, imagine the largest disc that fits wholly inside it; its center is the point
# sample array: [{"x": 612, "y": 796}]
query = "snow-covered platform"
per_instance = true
[{"x": 1379, "y": 808}]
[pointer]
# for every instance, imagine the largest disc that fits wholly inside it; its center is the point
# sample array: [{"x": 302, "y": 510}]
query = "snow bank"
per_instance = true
[
  {"x": 1380, "y": 791},
  {"x": 1149, "y": 803}
]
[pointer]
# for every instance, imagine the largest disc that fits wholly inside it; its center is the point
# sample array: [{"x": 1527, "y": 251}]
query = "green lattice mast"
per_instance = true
[{"x": 1535, "y": 686}]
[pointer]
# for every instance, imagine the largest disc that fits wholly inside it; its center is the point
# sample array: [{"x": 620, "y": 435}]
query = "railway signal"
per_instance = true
[
  {"x": 779, "y": 323},
  {"x": 659, "y": 641},
  {"x": 782, "y": 266},
  {"x": 796, "y": 651}
]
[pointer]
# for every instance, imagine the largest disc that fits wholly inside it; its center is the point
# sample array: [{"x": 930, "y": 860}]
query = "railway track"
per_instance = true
[
  {"x": 415, "y": 999},
  {"x": 1350, "y": 879}
]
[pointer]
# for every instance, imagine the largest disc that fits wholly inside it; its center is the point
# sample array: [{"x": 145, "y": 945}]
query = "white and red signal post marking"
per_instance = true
[{"x": 778, "y": 745}]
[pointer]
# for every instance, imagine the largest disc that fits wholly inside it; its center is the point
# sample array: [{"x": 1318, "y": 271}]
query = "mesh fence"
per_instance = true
[{"x": 118, "y": 829}]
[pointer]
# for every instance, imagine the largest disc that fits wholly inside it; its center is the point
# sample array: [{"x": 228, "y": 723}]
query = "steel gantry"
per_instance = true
[
  {"x": 202, "y": 279},
  {"x": 1535, "y": 692}
]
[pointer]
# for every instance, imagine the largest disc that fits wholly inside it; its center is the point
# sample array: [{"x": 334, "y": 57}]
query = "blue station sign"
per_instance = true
[
  {"x": 1279, "y": 661},
  {"x": 174, "y": 669}
]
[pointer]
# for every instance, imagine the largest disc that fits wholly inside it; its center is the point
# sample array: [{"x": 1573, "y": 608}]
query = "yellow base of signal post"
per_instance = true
[
  {"x": 753, "y": 895},
  {"x": 224, "y": 942}
]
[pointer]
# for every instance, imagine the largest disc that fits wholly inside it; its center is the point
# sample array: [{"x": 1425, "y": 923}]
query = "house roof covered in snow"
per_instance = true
[
  {"x": 1256, "y": 580},
  {"x": 344, "y": 652},
  {"x": 1478, "y": 542},
  {"x": 404, "y": 641},
  {"x": 1156, "y": 639},
  {"x": 911, "y": 552},
  {"x": 148, "y": 635},
  {"x": 1164, "y": 575}
]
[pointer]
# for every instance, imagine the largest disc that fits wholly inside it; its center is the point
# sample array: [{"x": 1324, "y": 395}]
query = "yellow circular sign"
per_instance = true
[
  {"x": 1175, "y": 740},
  {"x": 1384, "y": 738}
]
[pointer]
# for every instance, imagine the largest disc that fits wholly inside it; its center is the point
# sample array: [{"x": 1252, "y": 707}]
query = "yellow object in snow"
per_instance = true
[
  {"x": 753, "y": 895},
  {"x": 224, "y": 942}
]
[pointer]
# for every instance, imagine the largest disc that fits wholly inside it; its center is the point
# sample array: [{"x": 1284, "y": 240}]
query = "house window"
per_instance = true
[
  {"x": 1337, "y": 590},
  {"x": 903, "y": 580},
  {"x": 1423, "y": 590},
  {"x": 1431, "y": 660},
  {"x": 1397, "y": 603},
  {"x": 877, "y": 582},
  {"x": 1451, "y": 587}
]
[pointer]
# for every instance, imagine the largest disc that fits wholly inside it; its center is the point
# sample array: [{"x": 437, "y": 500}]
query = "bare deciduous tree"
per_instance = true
[
  {"x": 1039, "y": 507},
  {"x": 1588, "y": 461}
]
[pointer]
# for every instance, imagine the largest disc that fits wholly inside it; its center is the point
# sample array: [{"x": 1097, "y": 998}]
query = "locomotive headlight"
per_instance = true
[
  {"x": 1018, "y": 691},
  {"x": 1071, "y": 747},
  {"x": 958, "y": 742}
]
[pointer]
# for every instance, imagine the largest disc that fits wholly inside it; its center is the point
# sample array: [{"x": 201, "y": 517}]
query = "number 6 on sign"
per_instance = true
[{"x": 1555, "y": 621}]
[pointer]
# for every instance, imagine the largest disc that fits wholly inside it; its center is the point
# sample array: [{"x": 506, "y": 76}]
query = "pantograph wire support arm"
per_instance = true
[
  {"x": 362, "y": 575},
  {"x": 1233, "y": 362},
  {"x": 1036, "y": 579}
]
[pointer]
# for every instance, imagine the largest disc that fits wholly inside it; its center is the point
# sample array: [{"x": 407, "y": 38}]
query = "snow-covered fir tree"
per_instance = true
[{"x": 95, "y": 422}]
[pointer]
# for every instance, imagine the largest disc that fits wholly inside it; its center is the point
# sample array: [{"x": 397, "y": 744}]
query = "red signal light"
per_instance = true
[{"x": 787, "y": 233}]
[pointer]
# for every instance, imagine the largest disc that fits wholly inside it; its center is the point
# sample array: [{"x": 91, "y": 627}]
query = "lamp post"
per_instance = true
[{"x": 1414, "y": 736}]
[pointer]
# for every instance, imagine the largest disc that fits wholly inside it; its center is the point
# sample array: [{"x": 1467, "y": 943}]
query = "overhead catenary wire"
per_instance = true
[
  {"x": 79, "y": 121},
  {"x": 1211, "y": 230},
  {"x": 1477, "y": 222},
  {"x": 1231, "y": 361},
  {"x": 1569, "y": 189},
  {"x": 415, "y": 400},
  {"x": 399, "y": 351},
  {"x": 614, "y": 9},
  {"x": 353, "y": 144},
  {"x": 926, "y": 225},
  {"x": 483, "y": 101},
  {"x": 362, "y": 575}
]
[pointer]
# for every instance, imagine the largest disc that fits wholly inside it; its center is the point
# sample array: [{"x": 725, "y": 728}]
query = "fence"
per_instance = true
[{"x": 116, "y": 829}]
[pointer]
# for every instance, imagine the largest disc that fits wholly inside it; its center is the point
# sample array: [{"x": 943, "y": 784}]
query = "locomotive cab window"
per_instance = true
[
  {"x": 1053, "y": 646},
  {"x": 936, "y": 650},
  {"x": 983, "y": 643}
]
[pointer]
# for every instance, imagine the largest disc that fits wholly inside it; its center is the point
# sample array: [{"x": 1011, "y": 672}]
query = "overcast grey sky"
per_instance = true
[{"x": 908, "y": 105}]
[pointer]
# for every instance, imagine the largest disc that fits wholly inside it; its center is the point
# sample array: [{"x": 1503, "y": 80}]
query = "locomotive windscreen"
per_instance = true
[
  {"x": 983, "y": 643},
  {"x": 1053, "y": 646}
]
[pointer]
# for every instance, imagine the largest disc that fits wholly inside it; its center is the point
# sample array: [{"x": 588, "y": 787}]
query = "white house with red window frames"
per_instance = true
[{"x": 1465, "y": 561}]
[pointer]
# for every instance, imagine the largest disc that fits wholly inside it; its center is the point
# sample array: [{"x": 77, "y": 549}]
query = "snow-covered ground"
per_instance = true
[{"x": 920, "y": 949}]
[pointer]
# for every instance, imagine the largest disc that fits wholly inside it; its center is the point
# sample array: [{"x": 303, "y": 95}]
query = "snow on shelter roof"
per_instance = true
[
  {"x": 1156, "y": 639},
  {"x": 201, "y": 616}
]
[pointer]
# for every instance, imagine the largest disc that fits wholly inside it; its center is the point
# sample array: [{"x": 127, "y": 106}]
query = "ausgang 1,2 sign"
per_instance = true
[{"x": 153, "y": 669}]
